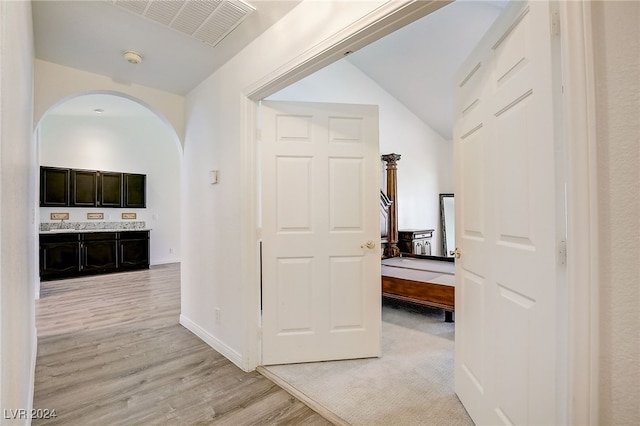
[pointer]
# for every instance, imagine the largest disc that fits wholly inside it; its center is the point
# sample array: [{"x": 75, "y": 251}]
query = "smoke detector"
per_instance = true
[{"x": 132, "y": 57}]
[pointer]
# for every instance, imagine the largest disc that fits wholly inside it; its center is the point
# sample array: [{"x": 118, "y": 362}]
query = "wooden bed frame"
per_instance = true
[{"x": 425, "y": 280}]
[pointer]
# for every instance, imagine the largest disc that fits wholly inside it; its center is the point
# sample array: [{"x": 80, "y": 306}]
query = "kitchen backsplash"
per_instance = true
[{"x": 89, "y": 226}]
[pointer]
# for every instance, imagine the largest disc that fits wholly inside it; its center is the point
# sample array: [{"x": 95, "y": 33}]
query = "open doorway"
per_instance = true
[
  {"x": 425, "y": 171},
  {"x": 110, "y": 132}
]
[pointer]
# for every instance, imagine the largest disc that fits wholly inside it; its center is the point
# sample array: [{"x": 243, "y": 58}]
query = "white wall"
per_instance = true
[
  {"x": 617, "y": 53},
  {"x": 55, "y": 83},
  {"x": 214, "y": 267},
  {"x": 135, "y": 144},
  {"x": 17, "y": 229},
  {"x": 426, "y": 167}
]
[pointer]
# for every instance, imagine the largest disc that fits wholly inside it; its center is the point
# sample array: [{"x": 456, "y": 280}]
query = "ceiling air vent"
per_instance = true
[{"x": 206, "y": 20}]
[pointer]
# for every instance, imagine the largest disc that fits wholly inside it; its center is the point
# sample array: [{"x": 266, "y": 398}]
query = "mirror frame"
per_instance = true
[{"x": 443, "y": 227}]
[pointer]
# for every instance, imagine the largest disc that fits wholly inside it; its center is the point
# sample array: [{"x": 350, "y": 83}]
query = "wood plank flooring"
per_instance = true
[{"x": 111, "y": 352}]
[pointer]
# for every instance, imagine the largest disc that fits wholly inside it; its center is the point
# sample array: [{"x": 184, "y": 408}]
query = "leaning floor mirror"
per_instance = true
[{"x": 447, "y": 224}]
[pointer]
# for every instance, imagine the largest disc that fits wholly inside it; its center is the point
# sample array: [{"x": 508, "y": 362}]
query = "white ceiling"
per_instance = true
[
  {"x": 415, "y": 64},
  {"x": 92, "y": 35}
]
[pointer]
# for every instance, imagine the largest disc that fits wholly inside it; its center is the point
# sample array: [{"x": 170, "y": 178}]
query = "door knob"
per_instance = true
[
  {"x": 370, "y": 244},
  {"x": 456, "y": 253}
]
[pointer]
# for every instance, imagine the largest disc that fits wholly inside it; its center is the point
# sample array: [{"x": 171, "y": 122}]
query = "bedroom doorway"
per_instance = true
[
  {"x": 417, "y": 344},
  {"x": 575, "y": 51}
]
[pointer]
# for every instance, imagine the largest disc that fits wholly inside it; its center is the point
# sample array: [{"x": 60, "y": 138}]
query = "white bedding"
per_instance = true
[
  {"x": 421, "y": 270},
  {"x": 430, "y": 265}
]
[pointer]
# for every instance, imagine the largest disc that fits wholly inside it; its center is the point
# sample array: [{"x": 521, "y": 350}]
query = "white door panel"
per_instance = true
[
  {"x": 506, "y": 211},
  {"x": 321, "y": 284}
]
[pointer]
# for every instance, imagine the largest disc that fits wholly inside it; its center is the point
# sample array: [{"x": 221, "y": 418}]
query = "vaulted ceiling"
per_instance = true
[
  {"x": 416, "y": 64},
  {"x": 183, "y": 42}
]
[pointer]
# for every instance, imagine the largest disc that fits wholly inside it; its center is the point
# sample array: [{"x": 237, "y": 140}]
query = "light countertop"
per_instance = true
[{"x": 86, "y": 231}]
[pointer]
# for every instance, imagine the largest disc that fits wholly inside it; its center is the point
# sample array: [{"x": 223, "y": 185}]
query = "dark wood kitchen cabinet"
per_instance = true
[
  {"x": 135, "y": 189},
  {"x": 99, "y": 251},
  {"x": 110, "y": 189},
  {"x": 84, "y": 188},
  {"x": 95, "y": 189},
  {"x": 91, "y": 188},
  {"x": 65, "y": 255},
  {"x": 54, "y": 187},
  {"x": 59, "y": 255},
  {"x": 134, "y": 250}
]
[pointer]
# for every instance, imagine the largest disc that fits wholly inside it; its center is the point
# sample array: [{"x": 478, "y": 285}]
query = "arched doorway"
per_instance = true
[{"x": 113, "y": 132}]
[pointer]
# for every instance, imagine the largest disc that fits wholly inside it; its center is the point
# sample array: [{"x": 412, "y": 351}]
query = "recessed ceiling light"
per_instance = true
[
  {"x": 98, "y": 110},
  {"x": 132, "y": 57}
]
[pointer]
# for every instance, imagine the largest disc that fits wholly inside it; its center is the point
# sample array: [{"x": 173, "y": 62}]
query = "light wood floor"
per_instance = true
[{"x": 111, "y": 352}]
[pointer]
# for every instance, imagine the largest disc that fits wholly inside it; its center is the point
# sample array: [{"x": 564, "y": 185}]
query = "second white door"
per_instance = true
[{"x": 509, "y": 222}]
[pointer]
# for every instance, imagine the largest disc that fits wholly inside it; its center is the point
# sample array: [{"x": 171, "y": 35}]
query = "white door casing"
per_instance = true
[
  {"x": 508, "y": 222},
  {"x": 320, "y": 194}
]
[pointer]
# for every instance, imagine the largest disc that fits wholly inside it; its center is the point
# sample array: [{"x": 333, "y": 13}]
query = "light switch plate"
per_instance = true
[
  {"x": 129, "y": 215},
  {"x": 213, "y": 176},
  {"x": 59, "y": 216}
]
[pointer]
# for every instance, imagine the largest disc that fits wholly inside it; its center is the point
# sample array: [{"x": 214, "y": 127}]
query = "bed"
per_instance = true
[{"x": 427, "y": 282}]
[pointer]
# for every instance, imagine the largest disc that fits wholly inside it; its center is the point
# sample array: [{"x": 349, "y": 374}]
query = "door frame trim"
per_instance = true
[
  {"x": 382, "y": 21},
  {"x": 580, "y": 371},
  {"x": 578, "y": 67}
]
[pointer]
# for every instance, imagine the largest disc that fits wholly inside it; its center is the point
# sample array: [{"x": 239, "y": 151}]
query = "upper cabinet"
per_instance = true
[
  {"x": 89, "y": 188},
  {"x": 135, "y": 190},
  {"x": 54, "y": 187},
  {"x": 110, "y": 189},
  {"x": 84, "y": 188}
]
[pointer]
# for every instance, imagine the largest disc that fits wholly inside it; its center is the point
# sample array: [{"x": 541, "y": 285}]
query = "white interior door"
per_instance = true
[
  {"x": 509, "y": 222},
  {"x": 320, "y": 231}
]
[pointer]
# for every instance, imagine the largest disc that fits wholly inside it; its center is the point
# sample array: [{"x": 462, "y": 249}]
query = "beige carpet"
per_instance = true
[{"x": 411, "y": 384}]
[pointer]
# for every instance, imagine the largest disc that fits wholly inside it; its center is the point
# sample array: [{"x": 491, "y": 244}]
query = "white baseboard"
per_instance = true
[
  {"x": 164, "y": 261},
  {"x": 229, "y": 353},
  {"x": 36, "y": 287},
  {"x": 32, "y": 373}
]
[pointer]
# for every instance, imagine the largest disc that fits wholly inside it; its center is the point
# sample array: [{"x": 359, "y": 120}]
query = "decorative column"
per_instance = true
[{"x": 392, "y": 250}]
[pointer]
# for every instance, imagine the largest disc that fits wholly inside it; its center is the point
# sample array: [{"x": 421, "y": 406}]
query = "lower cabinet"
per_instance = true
[
  {"x": 67, "y": 255},
  {"x": 99, "y": 252},
  {"x": 134, "y": 250},
  {"x": 59, "y": 255}
]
